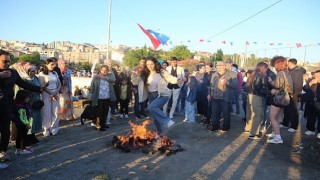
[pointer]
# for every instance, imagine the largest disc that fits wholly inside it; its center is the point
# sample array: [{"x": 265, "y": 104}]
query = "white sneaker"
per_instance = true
[
  {"x": 282, "y": 126},
  {"x": 185, "y": 120},
  {"x": 126, "y": 116},
  {"x": 262, "y": 129},
  {"x": 108, "y": 123},
  {"x": 270, "y": 135},
  {"x": 3, "y": 165},
  {"x": 292, "y": 130},
  {"x": 4, "y": 156},
  {"x": 92, "y": 124},
  {"x": 310, "y": 133},
  {"x": 121, "y": 116},
  {"x": 318, "y": 135},
  {"x": 275, "y": 141},
  {"x": 170, "y": 123}
]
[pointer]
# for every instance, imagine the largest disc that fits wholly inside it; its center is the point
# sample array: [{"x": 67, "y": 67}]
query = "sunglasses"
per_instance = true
[{"x": 6, "y": 61}]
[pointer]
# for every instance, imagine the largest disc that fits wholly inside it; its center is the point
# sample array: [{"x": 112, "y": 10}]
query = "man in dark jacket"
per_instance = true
[
  {"x": 290, "y": 112},
  {"x": 8, "y": 78}
]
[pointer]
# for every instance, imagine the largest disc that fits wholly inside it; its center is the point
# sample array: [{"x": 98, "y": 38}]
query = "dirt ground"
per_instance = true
[{"x": 80, "y": 152}]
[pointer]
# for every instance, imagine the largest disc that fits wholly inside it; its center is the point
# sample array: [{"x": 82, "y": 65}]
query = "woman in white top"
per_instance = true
[
  {"x": 157, "y": 80},
  {"x": 50, "y": 97}
]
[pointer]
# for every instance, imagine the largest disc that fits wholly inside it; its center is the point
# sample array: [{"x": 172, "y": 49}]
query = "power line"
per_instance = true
[{"x": 242, "y": 21}]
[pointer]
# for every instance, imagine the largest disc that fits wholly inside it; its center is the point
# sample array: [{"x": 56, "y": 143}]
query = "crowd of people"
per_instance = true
[{"x": 35, "y": 101}]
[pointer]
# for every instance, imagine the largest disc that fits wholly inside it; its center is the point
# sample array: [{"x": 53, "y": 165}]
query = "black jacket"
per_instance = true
[
  {"x": 259, "y": 86},
  {"x": 7, "y": 84},
  {"x": 297, "y": 78},
  {"x": 309, "y": 96}
]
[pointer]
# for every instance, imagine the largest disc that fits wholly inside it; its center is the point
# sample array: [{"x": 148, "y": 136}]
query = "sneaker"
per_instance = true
[
  {"x": 318, "y": 135},
  {"x": 138, "y": 116},
  {"x": 4, "y": 156},
  {"x": 93, "y": 124},
  {"x": 108, "y": 123},
  {"x": 185, "y": 120},
  {"x": 22, "y": 152},
  {"x": 263, "y": 129},
  {"x": 310, "y": 133},
  {"x": 270, "y": 135},
  {"x": 291, "y": 130},
  {"x": 282, "y": 126},
  {"x": 144, "y": 115},
  {"x": 121, "y": 116},
  {"x": 254, "y": 137},
  {"x": 3, "y": 165},
  {"x": 275, "y": 141},
  {"x": 126, "y": 116},
  {"x": 170, "y": 123}
]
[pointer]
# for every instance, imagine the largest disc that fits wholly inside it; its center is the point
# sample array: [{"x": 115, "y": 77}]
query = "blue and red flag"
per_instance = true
[{"x": 155, "y": 37}]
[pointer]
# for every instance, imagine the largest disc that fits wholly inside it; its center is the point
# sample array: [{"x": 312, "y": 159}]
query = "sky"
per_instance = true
[{"x": 186, "y": 22}]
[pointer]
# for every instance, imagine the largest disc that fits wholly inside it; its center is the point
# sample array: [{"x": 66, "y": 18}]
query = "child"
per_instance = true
[
  {"x": 190, "y": 101},
  {"x": 77, "y": 93},
  {"x": 125, "y": 96},
  {"x": 22, "y": 119}
]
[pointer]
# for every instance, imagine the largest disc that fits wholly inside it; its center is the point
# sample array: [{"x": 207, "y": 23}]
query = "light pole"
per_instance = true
[{"x": 109, "y": 23}]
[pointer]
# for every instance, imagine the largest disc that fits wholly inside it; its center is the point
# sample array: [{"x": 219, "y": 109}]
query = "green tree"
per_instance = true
[
  {"x": 132, "y": 57},
  {"x": 31, "y": 58},
  {"x": 85, "y": 65},
  {"x": 218, "y": 56},
  {"x": 13, "y": 59},
  {"x": 181, "y": 52}
]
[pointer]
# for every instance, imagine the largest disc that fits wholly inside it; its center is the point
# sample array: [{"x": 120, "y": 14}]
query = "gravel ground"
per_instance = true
[{"x": 80, "y": 152}]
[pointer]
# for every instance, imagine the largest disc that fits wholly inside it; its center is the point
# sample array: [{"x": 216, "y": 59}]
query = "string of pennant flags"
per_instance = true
[
  {"x": 247, "y": 43},
  {"x": 158, "y": 39}
]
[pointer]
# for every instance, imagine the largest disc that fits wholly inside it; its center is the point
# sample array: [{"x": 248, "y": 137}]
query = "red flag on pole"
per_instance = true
[
  {"x": 224, "y": 42},
  {"x": 247, "y": 43},
  {"x": 298, "y": 45},
  {"x": 156, "y": 43}
]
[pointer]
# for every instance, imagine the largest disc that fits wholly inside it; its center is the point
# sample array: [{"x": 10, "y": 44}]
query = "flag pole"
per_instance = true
[{"x": 109, "y": 23}]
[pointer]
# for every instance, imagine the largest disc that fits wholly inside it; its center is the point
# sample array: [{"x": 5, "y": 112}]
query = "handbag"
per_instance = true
[
  {"x": 37, "y": 104},
  {"x": 281, "y": 98}
]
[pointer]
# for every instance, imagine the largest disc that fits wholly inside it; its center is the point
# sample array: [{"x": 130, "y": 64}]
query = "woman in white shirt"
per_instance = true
[
  {"x": 50, "y": 97},
  {"x": 157, "y": 80}
]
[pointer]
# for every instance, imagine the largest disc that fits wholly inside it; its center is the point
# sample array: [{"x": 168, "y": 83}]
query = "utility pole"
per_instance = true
[
  {"x": 305, "y": 54},
  {"x": 109, "y": 23}
]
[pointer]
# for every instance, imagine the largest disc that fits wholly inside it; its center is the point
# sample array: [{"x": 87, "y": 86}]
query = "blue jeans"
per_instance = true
[
  {"x": 190, "y": 112},
  {"x": 218, "y": 106},
  {"x": 152, "y": 96},
  {"x": 160, "y": 118}
]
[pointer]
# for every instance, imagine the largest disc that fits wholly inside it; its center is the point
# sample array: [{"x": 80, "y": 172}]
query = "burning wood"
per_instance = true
[{"x": 145, "y": 140}]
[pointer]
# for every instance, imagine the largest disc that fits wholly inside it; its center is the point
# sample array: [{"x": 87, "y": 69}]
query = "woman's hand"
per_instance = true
[{"x": 274, "y": 91}]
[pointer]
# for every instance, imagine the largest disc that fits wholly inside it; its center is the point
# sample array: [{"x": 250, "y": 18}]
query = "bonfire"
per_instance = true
[{"x": 145, "y": 140}]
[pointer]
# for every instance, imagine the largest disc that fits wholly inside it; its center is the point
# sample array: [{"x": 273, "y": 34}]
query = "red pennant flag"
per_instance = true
[
  {"x": 156, "y": 43},
  {"x": 298, "y": 45},
  {"x": 224, "y": 42},
  {"x": 247, "y": 43},
  {"x": 201, "y": 40}
]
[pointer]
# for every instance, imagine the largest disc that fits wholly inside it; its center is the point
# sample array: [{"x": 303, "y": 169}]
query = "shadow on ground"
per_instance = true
[{"x": 80, "y": 152}]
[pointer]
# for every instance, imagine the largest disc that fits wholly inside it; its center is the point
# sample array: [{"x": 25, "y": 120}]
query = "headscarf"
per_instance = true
[
  {"x": 22, "y": 69},
  {"x": 62, "y": 69}
]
